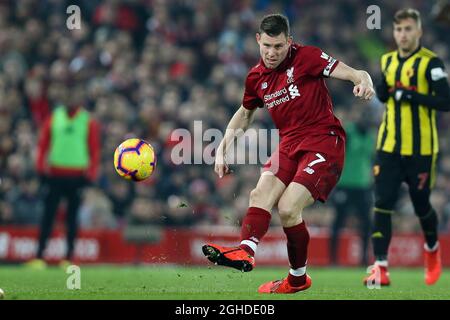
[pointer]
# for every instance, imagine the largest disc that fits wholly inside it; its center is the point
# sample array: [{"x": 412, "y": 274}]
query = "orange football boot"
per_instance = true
[
  {"x": 433, "y": 266},
  {"x": 233, "y": 257},
  {"x": 283, "y": 286}
]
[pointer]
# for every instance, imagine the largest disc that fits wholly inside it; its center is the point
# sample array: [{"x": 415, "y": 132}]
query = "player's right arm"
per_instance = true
[
  {"x": 363, "y": 85},
  {"x": 321, "y": 64},
  {"x": 238, "y": 124}
]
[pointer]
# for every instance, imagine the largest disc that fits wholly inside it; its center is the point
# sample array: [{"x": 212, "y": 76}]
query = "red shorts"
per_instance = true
[{"x": 317, "y": 166}]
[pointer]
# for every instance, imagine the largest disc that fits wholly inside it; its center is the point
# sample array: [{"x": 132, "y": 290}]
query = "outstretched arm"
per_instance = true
[
  {"x": 361, "y": 79},
  {"x": 240, "y": 121}
]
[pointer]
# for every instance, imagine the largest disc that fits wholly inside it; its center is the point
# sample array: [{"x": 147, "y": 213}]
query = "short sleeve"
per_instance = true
[
  {"x": 251, "y": 100},
  {"x": 318, "y": 63}
]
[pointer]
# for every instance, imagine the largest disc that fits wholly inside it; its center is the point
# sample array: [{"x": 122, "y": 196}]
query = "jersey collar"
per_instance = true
[{"x": 410, "y": 55}]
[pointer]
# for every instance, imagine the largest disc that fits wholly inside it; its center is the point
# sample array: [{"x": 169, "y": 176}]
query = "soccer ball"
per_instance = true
[{"x": 134, "y": 159}]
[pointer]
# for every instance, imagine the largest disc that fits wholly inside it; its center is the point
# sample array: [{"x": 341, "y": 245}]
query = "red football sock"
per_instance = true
[
  {"x": 297, "y": 247},
  {"x": 254, "y": 227}
]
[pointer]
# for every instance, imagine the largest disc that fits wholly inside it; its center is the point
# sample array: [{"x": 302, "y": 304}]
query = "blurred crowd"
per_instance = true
[{"x": 151, "y": 66}]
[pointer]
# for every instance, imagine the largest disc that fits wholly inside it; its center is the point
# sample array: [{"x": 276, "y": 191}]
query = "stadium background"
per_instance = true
[{"x": 149, "y": 67}]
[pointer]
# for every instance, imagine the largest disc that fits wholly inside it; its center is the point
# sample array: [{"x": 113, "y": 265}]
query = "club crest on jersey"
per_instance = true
[
  {"x": 264, "y": 85},
  {"x": 410, "y": 73},
  {"x": 290, "y": 75}
]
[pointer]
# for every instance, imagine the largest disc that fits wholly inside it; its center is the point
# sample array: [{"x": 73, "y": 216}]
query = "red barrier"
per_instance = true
[{"x": 183, "y": 246}]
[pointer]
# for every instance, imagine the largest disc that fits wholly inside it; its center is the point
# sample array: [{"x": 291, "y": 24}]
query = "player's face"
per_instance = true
[
  {"x": 273, "y": 50},
  {"x": 407, "y": 34}
]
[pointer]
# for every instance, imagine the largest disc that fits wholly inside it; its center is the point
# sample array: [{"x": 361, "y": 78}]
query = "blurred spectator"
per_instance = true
[
  {"x": 28, "y": 204},
  {"x": 179, "y": 213},
  {"x": 96, "y": 211},
  {"x": 203, "y": 209},
  {"x": 6, "y": 213},
  {"x": 121, "y": 194},
  {"x": 144, "y": 211}
]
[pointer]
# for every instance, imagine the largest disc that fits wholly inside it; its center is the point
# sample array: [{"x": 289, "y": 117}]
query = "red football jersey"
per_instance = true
[{"x": 295, "y": 94}]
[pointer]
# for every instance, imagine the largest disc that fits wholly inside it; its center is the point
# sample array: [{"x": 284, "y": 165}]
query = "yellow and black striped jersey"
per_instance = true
[{"x": 408, "y": 127}]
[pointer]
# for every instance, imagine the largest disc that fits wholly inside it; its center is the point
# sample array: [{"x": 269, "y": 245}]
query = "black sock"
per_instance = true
[
  {"x": 381, "y": 235},
  {"x": 429, "y": 223}
]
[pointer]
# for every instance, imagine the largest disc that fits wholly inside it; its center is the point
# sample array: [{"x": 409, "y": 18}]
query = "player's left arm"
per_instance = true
[
  {"x": 363, "y": 85},
  {"x": 439, "y": 97}
]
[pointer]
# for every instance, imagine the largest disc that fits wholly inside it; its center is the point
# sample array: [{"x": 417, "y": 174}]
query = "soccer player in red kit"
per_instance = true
[{"x": 289, "y": 82}]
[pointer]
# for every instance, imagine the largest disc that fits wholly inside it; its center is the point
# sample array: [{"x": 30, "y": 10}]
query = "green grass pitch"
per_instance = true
[{"x": 209, "y": 283}]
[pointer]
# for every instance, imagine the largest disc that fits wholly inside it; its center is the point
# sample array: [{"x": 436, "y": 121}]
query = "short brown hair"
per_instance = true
[
  {"x": 275, "y": 24},
  {"x": 407, "y": 13}
]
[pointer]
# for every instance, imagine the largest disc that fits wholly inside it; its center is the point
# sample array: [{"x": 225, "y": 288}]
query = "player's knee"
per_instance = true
[
  {"x": 289, "y": 214},
  {"x": 258, "y": 198}
]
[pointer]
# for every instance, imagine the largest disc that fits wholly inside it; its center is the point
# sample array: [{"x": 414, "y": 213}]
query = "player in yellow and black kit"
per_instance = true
[{"x": 414, "y": 88}]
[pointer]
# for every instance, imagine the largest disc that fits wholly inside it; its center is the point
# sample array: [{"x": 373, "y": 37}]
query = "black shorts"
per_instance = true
[{"x": 391, "y": 170}]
